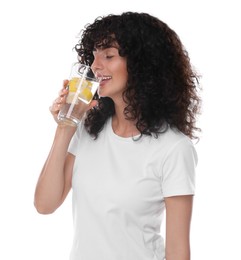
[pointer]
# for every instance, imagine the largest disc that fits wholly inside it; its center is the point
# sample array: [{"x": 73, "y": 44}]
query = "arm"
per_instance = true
[
  {"x": 178, "y": 220},
  {"x": 54, "y": 182}
]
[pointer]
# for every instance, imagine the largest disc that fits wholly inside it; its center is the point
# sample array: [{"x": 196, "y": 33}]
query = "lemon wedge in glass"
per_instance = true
[
  {"x": 73, "y": 84},
  {"x": 86, "y": 94}
]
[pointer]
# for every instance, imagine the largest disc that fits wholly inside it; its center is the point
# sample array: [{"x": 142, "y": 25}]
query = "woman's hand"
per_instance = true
[{"x": 61, "y": 100}]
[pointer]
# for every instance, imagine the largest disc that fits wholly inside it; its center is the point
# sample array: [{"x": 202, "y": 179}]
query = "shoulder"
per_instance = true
[
  {"x": 176, "y": 140},
  {"x": 173, "y": 150},
  {"x": 171, "y": 140},
  {"x": 178, "y": 146},
  {"x": 178, "y": 164}
]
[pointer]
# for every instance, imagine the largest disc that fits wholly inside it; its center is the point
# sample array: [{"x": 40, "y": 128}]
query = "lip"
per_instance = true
[
  {"x": 102, "y": 83},
  {"x": 104, "y": 80},
  {"x": 101, "y": 87}
]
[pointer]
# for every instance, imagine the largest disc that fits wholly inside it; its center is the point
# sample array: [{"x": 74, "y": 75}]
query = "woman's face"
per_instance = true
[{"x": 113, "y": 68}]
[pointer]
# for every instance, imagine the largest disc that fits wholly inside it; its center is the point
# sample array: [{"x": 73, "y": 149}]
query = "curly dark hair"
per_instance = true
[{"x": 162, "y": 86}]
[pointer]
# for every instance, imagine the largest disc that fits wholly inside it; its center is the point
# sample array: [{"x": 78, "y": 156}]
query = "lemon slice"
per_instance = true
[
  {"x": 86, "y": 94},
  {"x": 73, "y": 83}
]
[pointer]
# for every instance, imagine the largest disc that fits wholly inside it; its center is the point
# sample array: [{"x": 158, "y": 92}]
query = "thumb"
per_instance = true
[{"x": 93, "y": 103}]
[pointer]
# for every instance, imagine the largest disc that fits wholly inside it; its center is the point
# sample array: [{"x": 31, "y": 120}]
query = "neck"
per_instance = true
[{"x": 123, "y": 127}]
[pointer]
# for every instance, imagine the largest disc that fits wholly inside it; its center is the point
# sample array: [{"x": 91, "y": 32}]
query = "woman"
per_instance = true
[{"x": 131, "y": 159}]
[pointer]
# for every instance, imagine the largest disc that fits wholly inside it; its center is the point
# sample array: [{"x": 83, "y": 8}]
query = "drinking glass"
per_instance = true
[{"x": 82, "y": 87}]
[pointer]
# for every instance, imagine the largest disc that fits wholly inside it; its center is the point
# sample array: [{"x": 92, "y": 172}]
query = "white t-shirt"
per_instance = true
[{"x": 119, "y": 187}]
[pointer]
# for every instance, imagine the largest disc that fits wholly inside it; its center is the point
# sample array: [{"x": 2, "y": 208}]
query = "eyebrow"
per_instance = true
[{"x": 104, "y": 48}]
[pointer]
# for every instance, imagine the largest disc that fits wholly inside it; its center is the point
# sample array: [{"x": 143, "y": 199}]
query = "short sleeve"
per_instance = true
[
  {"x": 74, "y": 143},
  {"x": 178, "y": 172}
]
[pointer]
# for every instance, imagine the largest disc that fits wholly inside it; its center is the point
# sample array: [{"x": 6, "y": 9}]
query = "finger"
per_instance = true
[
  {"x": 92, "y": 104},
  {"x": 57, "y": 104},
  {"x": 63, "y": 92},
  {"x": 65, "y": 83},
  {"x": 59, "y": 100},
  {"x": 54, "y": 109}
]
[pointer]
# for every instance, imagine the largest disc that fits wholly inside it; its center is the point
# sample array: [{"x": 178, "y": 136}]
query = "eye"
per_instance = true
[{"x": 109, "y": 56}]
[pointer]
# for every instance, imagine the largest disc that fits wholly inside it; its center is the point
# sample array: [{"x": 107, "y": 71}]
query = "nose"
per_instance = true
[{"x": 96, "y": 66}]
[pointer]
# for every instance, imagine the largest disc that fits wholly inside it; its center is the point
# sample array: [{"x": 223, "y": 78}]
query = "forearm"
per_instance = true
[
  {"x": 51, "y": 184},
  {"x": 178, "y": 220},
  {"x": 178, "y": 252}
]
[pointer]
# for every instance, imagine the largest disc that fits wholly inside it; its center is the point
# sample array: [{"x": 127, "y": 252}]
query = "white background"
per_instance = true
[{"x": 36, "y": 44}]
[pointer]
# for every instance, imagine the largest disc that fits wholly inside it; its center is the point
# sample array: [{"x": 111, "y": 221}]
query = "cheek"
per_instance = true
[
  {"x": 123, "y": 75},
  {"x": 123, "y": 78}
]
